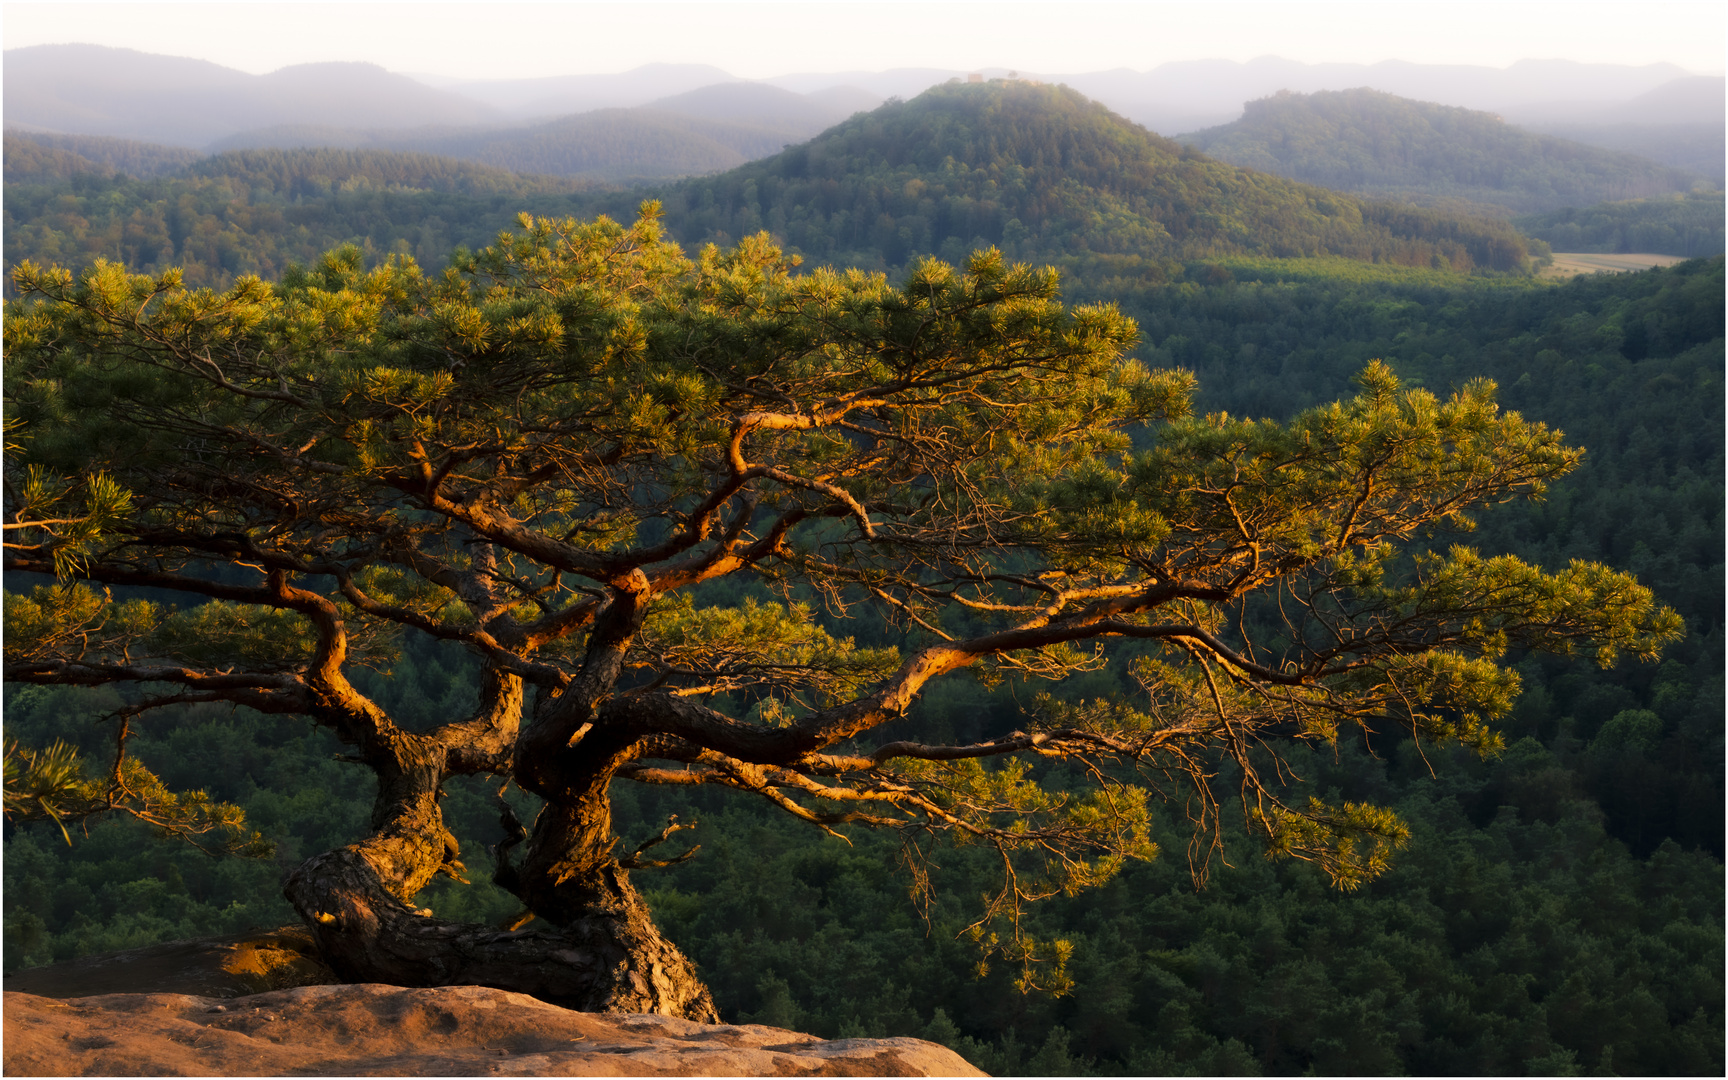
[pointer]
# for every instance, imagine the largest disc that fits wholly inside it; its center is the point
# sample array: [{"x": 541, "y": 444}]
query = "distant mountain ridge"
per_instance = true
[
  {"x": 1187, "y": 95},
  {"x": 1047, "y": 175},
  {"x": 1696, "y": 148},
  {"x": 609, "y": 128},
  {"x": 1680, "y": 123},
  {"x": 1384, "y": 146},
  {"x": 92, "y": 90},
  {"x": 86, "y": 89},
  {"x": 1038, "y": 171},
  {"x": 707, "y": 130},
  {"x": 537, "y": 99}
]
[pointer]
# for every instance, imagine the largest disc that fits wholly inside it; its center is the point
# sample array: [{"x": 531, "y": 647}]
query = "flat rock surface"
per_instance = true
[{"x": 376, "y": 1030}]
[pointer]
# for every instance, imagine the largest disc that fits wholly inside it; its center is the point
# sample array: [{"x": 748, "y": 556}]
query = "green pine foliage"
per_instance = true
[
  {"x": 1384, "y": 146},
  {"x": 1630, "y": 367}
]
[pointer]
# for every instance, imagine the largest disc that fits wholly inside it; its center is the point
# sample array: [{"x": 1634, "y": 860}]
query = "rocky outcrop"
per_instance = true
[
  {"x": 262, "y": 1004},
  {"x": 219, "y": 967},
  {"x": 372, "y": 1030}
]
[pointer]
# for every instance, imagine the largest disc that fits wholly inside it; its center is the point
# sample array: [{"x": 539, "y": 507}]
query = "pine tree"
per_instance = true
[{"x": 553, "y": 452}]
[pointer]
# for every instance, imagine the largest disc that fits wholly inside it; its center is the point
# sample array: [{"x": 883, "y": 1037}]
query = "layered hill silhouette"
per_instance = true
[
  {"x": 536, "y": 99},
  {"x": 651, "y": 124},
  {"x": 1187, "y": 95},
  {"x": 1038, "y": 171},
  {"x": 1390, "y": 147},
  {"x": 1679, "y": 123},
  {"x": 705, "y": 130},
  {"x": 1043, "y": 173},
  {"x": 1657, "y": 110},
  {"x": 95, "y": 90},
  {"x": 1695, "y": 147}
]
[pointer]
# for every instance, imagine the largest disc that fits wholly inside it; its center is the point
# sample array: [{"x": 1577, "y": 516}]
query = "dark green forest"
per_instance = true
[
  {"x": 1385, "y": 146},
  {"x": 1559, "y": 909},
  {"x": 1689, "y": 225},
  {"x": 255, "y": 211}
]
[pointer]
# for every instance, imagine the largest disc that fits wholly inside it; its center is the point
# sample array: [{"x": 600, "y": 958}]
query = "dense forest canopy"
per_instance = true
[
  {"x": 1689, "y": 225},
  {"x": 1041, "y": 172},
  {"x": 1384, "y": 146},
  {"x": 259, "y": 211},
  {"x": 39, "y": 157},
  {"x": 605, "y": 145}
]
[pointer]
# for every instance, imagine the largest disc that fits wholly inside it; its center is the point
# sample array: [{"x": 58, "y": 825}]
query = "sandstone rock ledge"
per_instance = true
[{"x": 375, "y": 1030}]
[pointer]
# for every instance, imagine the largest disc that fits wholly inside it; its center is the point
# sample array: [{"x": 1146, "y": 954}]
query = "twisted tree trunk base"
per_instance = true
[{"x": 608, "y": 958}]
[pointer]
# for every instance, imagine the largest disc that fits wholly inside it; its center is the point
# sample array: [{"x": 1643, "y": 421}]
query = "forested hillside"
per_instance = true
[
  {"x": 1559, "y": 909},
  {"x": 1037, "y": 171},
  {"x": 1383, "y": 146},
  {"x": 1043, "y": 173},
  {"x": 38, "y": 158},
  {"x": 1689, "y": 225},
  {"x": 257, "y": 211}
]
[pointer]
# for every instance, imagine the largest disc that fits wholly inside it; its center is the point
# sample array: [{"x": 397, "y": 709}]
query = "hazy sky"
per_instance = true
[{"x": 758, "y": 40}]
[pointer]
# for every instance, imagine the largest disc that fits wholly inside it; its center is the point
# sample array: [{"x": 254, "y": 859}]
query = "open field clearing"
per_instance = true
[{"x": 1570, "y": 264}]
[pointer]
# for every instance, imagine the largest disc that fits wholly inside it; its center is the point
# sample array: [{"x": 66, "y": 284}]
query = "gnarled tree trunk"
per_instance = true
[
  {"x": 609, "y": 959},
  {"x": 597, "y": 948}
]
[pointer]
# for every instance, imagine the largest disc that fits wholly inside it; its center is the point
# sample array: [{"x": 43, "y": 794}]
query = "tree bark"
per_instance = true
[
  {"x": 609, "y": 959},
  {"x": 601, "y": 953}
]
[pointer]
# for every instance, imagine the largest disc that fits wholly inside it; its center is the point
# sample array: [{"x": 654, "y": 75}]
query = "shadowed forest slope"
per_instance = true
[
  {"x": 1042, "y": 172},
  {"x": 1390, "y": 147},
  {"x": 1688, "y": 225}
]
